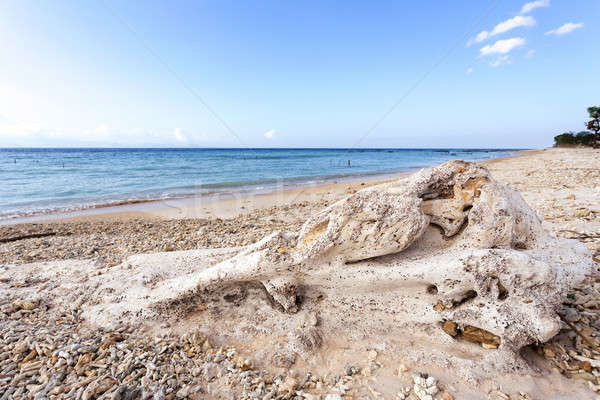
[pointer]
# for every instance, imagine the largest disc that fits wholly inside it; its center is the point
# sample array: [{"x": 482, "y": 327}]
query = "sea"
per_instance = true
[{"x": 37, "y": 181}]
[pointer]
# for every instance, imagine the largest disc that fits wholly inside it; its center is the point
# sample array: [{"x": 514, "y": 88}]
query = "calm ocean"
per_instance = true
[{"x": 38, "y": 181}]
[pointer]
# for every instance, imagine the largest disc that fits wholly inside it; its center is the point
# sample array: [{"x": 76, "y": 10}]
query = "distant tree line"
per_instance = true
[{"x": 583, "y": 138}]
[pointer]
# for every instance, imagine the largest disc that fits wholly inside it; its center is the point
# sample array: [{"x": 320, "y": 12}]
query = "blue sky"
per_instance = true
[{"x": 296, "y": 74}]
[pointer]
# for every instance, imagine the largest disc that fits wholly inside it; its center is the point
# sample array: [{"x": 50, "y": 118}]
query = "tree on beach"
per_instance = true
[
  {"x": 594, "y": 124},
  {"x": 568, "y": 139}
]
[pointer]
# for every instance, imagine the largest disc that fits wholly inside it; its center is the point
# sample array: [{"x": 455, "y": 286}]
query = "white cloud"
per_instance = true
[
  {"x": 481, "y": 36},
  {"x": 180, "y": 137},
  {"x": 530, "y": 54},
  {"x": 532, "y": 5},
  {"x": 33, "y": 134},
  {"x": 502, "y": 60},
  {"x": 503, "y": 27},
  {"x": 513, "y": 23},
  {"x": 469, "y": 70},
  {"x": 566, "y": 28},
  {"x": 270, "y": 134},
  {"x": 502, "y": 46}
]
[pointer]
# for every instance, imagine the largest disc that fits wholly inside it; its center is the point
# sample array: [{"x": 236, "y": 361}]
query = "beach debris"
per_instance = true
[
  {"x": 425, "y": 386},
  {"x": 404, "y": 393},
  {"x": 28, "y": 236},
  {"x": 113, "y": 240},
  {"x": 451, "y": 328},
  {"x": 350, "y": 370},
  {"x": 24, "y": 304},
  {"x": 473, "y": 334},
  {"x": 62, "y": 358},
  {"x": 575, "y": 351}
]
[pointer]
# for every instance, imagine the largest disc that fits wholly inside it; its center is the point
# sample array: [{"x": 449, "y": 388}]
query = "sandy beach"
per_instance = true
[
  {"x": 299, "y": 200},
  {"x": 561, "y": 185}
]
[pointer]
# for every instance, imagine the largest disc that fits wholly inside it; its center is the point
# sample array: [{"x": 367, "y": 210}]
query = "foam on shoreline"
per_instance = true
[{"x": 158, "y": 206}]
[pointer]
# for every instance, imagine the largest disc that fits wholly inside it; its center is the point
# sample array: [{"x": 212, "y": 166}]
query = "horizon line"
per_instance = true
[{"x": 259, "y": 148}]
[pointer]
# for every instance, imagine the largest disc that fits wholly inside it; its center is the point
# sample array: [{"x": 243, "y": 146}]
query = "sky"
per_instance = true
[{"x": 403, "y": 74}]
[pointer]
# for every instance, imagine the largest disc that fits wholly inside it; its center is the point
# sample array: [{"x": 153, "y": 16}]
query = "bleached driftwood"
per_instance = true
[{"x": 489, "y": 273}]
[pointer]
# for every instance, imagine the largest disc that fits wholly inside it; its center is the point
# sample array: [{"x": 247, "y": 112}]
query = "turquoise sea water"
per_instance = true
[{"x": 36, "y": 181}]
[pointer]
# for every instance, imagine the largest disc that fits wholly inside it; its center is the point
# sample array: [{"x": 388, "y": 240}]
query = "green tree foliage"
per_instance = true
[
  {"x": 583, "y": 138},
  {"x": 594, "y": 124}
]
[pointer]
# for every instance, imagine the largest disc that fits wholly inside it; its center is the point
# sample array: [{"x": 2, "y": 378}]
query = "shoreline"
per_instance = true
[
  {"x": 163, "y": 208},
  {"x": 206, "y": 205}
]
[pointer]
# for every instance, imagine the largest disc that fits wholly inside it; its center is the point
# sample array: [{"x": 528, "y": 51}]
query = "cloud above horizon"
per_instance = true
[
  {"x": 503, "y": 27},
  {"x": 532, "y": 5},
  {"x": 31, "y": 134},
  {"x": 180, "y": 137},
  {"x": 270, "y": 134},
  {"x": 565, "y": 28},
  {"x": 502, "y": 46}
]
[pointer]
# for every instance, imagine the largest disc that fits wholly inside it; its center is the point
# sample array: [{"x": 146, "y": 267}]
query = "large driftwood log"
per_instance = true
[{"x": 488, "y": 270}]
